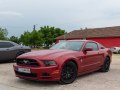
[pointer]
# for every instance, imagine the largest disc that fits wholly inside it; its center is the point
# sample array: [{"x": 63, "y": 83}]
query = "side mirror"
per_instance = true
[{"x": 88, "y": 49}]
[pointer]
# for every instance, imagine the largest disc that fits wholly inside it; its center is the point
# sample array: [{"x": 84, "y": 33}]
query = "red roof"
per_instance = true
[{"x": 93, "y": 33}]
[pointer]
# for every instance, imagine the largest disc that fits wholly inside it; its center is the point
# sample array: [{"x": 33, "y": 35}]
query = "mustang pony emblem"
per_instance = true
[{"x": 26, "y": 62}]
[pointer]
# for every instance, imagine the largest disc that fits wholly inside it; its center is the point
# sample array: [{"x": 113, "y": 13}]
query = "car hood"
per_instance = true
[{"x": 46, "y": 54}]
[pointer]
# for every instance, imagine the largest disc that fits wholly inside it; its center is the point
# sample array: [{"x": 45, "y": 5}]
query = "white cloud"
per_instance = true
[{"x": 10, "y": 13}]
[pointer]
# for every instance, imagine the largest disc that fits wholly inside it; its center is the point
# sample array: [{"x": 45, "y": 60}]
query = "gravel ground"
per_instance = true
[{"x": 93, "y": 81}]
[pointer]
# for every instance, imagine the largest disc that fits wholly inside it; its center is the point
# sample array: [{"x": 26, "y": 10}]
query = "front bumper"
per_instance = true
[{"x": 51, "y": 73}]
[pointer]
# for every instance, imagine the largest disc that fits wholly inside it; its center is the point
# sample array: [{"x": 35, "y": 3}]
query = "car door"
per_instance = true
[
  {"x": 90, "y": 59},
  {"x": 6, "y": 50}
]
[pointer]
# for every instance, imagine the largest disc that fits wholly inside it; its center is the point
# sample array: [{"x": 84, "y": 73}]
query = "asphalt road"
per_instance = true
[{"x": 93, "y": 81}]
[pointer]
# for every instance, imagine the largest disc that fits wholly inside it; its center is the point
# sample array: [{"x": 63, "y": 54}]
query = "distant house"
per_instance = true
[{"x": 109, "y": 36}]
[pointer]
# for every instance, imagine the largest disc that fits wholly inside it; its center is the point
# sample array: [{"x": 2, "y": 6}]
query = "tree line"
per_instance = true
[{"x": 44, "y": 37}]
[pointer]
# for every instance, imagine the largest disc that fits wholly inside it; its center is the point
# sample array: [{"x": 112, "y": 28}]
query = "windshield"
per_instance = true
[{"x": 69, "y": 45}]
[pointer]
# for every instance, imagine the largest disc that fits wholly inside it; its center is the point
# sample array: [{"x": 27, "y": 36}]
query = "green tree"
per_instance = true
[
  {"x": 43, "y": 37},
  {"x": 14, "y": 39},
  {"x": 25, "y": 38},
  {"x": 49, "y": 34},
  {"x": 3, "y": 33},
  {"x": 36, "y": 38}
]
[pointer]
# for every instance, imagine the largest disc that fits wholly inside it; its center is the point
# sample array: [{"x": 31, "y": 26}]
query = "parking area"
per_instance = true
[{"x": 93, "y": 81}]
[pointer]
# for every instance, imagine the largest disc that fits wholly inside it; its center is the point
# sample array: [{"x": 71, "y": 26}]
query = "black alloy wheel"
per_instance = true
[
  {"x": 106, "y": 66},
  {"x": 69, "y": 73}
]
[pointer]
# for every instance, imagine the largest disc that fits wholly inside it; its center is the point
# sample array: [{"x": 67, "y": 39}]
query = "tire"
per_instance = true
[
  {"x": 69, "y": 73},
  {"x": 119, "y": 52},
  {"x": 106, "y": 65}
]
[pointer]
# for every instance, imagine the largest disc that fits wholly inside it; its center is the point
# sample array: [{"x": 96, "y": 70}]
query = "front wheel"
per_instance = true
[
  {"x": 69, "y": 73},
  {"x": 106, "y": 65}
]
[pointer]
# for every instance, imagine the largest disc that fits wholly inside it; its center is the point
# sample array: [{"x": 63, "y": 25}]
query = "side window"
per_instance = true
[
  {"x": 6, "y": 45},
  {"x": 93, "y": 45}
]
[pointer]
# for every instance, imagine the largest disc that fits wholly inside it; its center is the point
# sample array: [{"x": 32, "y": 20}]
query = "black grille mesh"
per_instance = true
[{"x": 27, "y": 62}]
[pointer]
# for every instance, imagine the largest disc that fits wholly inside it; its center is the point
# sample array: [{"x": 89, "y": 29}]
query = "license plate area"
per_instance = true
[{"x": 24, "y": 70}]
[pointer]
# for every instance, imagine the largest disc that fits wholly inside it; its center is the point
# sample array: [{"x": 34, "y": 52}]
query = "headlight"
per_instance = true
[{"x": 49, "y": 63}]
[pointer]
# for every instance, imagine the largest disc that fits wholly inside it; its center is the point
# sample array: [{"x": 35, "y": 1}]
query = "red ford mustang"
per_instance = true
[{"x": 64, "y": 61}]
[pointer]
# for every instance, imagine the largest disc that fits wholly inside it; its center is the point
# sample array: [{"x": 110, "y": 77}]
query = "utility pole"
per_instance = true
[{"x": 34, "y": 27}]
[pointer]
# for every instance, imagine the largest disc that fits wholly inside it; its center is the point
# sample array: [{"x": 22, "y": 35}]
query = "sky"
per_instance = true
[{"x": 20, "y": 15}]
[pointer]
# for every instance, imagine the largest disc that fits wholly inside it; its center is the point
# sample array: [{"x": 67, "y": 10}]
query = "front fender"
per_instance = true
[{"x": 66, "y": 59}]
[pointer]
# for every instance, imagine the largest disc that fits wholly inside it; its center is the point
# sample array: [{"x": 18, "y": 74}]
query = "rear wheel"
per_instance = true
[
  {"x": 69, "y": 73},
  {"x": 106, "y": 65}
]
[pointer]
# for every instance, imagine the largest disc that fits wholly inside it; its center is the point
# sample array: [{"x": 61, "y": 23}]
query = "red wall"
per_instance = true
[{"x": 107, "y": 42}]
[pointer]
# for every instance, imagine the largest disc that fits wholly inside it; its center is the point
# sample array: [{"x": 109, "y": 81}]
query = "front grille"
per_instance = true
[
  {"x": 26, "y": 74},
  {"x": 27, "y": 62}
]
